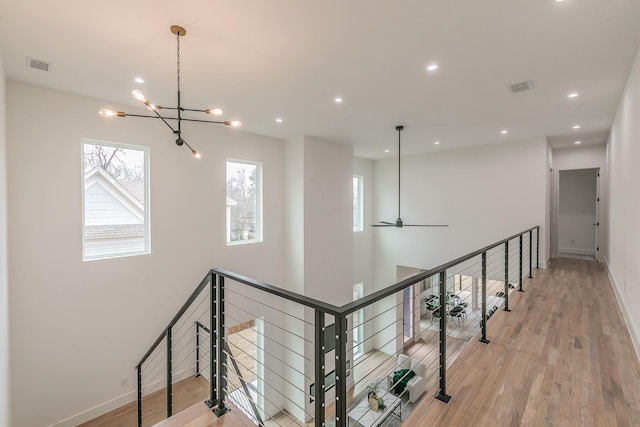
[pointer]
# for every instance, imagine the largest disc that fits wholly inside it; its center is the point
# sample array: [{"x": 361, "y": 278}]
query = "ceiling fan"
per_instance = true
[{"x": 399, "y": 223}]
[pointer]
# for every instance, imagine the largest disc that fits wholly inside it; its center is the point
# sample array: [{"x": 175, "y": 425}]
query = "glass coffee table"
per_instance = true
[{"x": 363, "y": 416}]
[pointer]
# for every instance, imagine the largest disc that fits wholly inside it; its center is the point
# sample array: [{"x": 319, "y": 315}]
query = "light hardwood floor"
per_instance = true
[{"x": 562, "y": 357}]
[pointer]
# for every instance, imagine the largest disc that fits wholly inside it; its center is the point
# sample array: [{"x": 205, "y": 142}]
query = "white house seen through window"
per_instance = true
[
  {"x": 115, "y": 208},
  {"x": 244, "y": 204}
]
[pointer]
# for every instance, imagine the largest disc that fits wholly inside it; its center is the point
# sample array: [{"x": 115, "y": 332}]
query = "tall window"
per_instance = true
[
  {"x": 357, "y": 203},
  {"x": 358, "y": 323},
  {"x": 115, "y": 202},
  {"x": 244, "y": 202}
]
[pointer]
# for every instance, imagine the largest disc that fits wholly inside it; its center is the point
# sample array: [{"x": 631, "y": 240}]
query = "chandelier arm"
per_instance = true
[
  {"x": 203, "y": 121},
  {"x": 175, "y": 118},
  {"x": 157, "y": 116}
]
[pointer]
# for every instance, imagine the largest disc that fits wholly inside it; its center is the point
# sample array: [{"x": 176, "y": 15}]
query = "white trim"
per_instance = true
[
  {"x": 635, "y": 335},
  {"x": 576, "y": 251},
  {"x": 97, "y": 410}
]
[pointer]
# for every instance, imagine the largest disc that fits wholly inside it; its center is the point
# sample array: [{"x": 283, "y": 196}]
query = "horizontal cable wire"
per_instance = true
[
  {"x": 264, "y": 337},
  {"x": 253, "y": 316},
  {"x": 271, "y": 307}
]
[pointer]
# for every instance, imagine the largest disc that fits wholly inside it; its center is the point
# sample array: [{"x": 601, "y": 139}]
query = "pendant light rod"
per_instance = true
[{"x": 178, "y": 31}]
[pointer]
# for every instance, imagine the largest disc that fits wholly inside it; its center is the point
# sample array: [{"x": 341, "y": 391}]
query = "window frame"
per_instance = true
[
  {"x": 258, "y": 233},
  {"x": 146, "y": 250}
]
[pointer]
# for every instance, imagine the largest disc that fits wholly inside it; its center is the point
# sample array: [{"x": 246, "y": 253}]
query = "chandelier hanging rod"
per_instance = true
[{"x": 137, "y": 94}]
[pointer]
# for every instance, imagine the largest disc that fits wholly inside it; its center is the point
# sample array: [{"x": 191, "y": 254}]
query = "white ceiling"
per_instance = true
[{"x": 260, "y": 59}]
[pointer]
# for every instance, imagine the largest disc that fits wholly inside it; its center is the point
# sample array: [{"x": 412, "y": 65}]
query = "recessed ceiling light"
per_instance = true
[
  {"x": 559, "y": 1},
  {"x": 139, "y": 80},
  {"x": 578, "y": 142},
  {"x": 504, "y": 131},
  {"x": 437, "y": 143},
  {"x": 576, "y": 127},
  {"x": 386, "y": 151},
  {"x": 338, "y": 100},
  {"x": 432, "y": 67},
  {"x": 279, "y": 120},
  {"x": 572, "y": 95}
]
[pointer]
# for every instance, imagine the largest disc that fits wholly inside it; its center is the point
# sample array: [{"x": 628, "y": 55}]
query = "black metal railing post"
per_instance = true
[
  {"x": 520, "y": 275},
  {"x": 538, "y": 247},
  {"x": 319, "y": 368},
  {"x": 213, "y": 353},
  {"x": 139, "y": 380},
  {"x": 530, "y": 254},
  {"x": 197, "y": 349},
  {"x": 442, "y": 392},
  {"x": 221, "y": 364},
  {"x": 341, "y": 370},
  {"x": 506, "y": 276},
  {"x": 169, "y": 375},
  {"x": 484, "y": 339}
]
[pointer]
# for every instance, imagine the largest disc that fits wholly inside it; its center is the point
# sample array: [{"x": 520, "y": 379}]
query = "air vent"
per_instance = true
[
  {"x": 521, "y": 87},
  {"x": 38, "y": 64}
]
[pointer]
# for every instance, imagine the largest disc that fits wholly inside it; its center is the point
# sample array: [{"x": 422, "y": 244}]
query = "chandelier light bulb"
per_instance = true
[
  {"x": 137, "y": 94},
  {"x": 196, "y": 154},
  {"x": 236, "y": 123},
  {"x": 107, "y": 113},
  {"x": 214, "y": 111}
]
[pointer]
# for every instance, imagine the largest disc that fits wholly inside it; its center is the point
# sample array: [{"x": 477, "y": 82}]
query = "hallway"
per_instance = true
[{"x": 562, "y": 357}]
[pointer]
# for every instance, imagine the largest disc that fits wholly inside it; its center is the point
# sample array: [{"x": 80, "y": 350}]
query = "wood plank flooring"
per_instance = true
[{"x": 562, "y": 357}]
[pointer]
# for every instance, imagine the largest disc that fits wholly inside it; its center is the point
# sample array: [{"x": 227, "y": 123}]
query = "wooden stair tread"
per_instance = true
[{"x": 200, "y": 415}]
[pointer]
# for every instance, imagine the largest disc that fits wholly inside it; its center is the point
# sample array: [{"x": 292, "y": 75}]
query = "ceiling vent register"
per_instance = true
[
  {"x": 521, "y": 87},
  {"x": 38, "y": 64}
]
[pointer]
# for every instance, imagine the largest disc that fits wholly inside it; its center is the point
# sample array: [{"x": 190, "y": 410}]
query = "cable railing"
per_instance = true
[{"x": 282, "y": 358}]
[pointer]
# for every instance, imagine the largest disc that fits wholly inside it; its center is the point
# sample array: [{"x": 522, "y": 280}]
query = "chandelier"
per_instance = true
[{"x": 177, "y": 130}]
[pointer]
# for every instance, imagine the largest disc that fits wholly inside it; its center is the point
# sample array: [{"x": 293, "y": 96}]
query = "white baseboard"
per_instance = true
[
  {"x": 103, "y": 408},
  {"x": 635, "y": 336},
  {"x": 576, "y": 251},
  {"x": 98, "y": 410}
]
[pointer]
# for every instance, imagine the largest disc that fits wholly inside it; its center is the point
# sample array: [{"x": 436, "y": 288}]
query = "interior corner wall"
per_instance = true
[
  {"x": 363, "y": 241},
  {"x": 328, "y": 226},
  {"x": 77, "y": 329},
  {"x": 4, "y": 278},
  {"x": 623, "y": 206},
  {"x": 548, "y": 231},
  {"x": 293, "y": 260}
]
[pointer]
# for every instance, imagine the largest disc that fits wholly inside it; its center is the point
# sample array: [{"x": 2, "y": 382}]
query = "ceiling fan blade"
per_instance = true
[
  {"x": 426, "y": 225},
  {"x": 383, "y": 225},
  {"x": 386, "y": 222}
]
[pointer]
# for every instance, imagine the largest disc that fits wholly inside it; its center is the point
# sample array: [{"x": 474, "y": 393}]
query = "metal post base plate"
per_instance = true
[
  {"x": 443, "y": 397},
  {"x": 221, "y": 410},
  {"x": 484, "y": 340}
]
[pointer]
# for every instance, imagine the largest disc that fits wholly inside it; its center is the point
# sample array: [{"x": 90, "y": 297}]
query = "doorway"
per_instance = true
[{"x": 578, "y": 222}]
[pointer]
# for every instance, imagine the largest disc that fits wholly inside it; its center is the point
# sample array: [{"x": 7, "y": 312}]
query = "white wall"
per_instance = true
[
  {"x": 624, "y": 203},
  {"x": 363, "y": 240},
  {"x": 577, "y": 211},
  {"x": 587, "y": 157},
  {"x": 4, "y": 291},
  {"x": 482, "y": 193},
  {"x": 78, "y": 328},
  {"x": 328, "y": 225}
]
